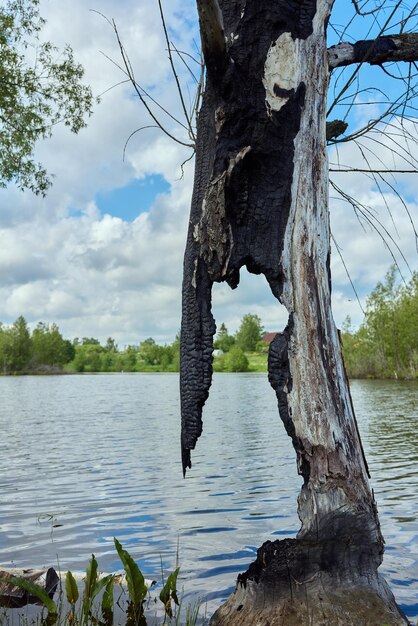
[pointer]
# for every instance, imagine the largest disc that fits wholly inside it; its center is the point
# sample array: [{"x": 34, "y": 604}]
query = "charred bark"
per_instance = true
[
  {"x": 260, "y": 201},
  {"x": 243, "y": 179},
  {"x": 298, "y": 582}
]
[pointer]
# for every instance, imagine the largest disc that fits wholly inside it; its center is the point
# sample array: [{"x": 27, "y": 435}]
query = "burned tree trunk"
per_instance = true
[{"x": 260, "y": 201}]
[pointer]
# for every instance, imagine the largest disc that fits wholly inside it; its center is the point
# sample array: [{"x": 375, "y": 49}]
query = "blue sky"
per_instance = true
[
  {"x": 102, "y": 254},
  {"x": 134, "y": 198}
]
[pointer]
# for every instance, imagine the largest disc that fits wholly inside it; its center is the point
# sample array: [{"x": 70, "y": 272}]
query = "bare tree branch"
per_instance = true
[
  {"x": 176, "y": 78},
  {"x": 371, "y": 171},
  {"x": 402, "y": 47}
]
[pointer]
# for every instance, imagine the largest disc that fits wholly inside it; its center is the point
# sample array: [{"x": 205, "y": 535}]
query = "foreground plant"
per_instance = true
[{"x": 87, "y": 609}]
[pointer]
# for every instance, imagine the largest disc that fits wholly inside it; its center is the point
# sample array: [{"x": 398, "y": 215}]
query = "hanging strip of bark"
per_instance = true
[{"x": 392, "y": 48}]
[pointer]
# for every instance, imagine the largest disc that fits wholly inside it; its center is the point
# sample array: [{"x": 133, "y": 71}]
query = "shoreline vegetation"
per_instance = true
[
  {"x": 385, "y": 346},
  {"x": 106, "y": 598}
]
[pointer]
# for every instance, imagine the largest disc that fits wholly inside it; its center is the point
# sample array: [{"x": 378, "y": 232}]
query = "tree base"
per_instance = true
[{"x": 296, "y": 583}]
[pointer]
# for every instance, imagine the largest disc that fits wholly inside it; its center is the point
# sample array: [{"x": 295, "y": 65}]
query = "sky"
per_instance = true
[{"x": 102, "y": 254}]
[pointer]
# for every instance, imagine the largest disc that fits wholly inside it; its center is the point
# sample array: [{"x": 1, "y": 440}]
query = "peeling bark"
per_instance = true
[{"x": 261, "y": 201}]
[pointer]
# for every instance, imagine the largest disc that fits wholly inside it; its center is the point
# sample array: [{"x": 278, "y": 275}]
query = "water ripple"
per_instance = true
[{"x": 87, "y": 458}]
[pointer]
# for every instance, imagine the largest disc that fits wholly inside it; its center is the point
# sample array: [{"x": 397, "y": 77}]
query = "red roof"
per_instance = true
[{"x": 268, "y": 337}]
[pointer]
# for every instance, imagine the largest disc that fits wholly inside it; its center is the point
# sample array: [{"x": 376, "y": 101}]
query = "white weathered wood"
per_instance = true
[{"x": 307, "y": 297}]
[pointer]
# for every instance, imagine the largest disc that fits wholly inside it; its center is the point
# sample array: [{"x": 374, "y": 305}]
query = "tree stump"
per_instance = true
[
  {"x": 298, "y": 583},
  {"x": 12, "y": 596}
]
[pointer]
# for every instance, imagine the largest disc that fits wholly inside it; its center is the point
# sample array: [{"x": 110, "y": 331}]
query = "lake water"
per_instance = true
[{"x": 86, "y": 458}]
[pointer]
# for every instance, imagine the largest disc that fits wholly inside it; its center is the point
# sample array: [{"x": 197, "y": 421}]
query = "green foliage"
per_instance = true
[
  {"x": 236, "y": 361},
  {"x": 15, "y": 346},
  {"x": 49, "y": 347},
  {"x": 108, "y": 601},
  {"x": 386, "y": 344},
  {"x": 257, "y": 361},
  {"x": 90, "y": 356},
  {"x": 40, "y": 86},
  {"x": 175, "y": 346},
  {"x": 233, "y": 361},
  {"x": 136, "y": 586},
  {"x": 111, "y": 345},
  {"x": 224, "y": 341},
  {"x": 250, "y": 333},
  {"x": 22, "y": 352},
  {"x": 71, "y": 588},
  {"x": 90, "y": 341},
  {"x": 91, "y": 611},
  {"x": 169, "y": 592},
  {"x": 93, "y": 586},
  {"x": 89, "y": 585},
  {"x": 40, "y": 593}
]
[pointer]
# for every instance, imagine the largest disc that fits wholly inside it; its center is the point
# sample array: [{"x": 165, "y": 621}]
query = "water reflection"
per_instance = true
[
  {"x": 87, "y": 458},
  {"x": 388, "y": 415}
]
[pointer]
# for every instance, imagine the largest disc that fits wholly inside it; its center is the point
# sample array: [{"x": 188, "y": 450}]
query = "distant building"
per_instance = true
[{"x": 268, "y": 337}]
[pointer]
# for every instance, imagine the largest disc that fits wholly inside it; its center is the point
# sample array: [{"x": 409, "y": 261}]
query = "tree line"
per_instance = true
[
  {"x": 45, "y": 350},
  {"x": 386, "y": 343},
  {"x": 384, "y": 346},
  {"x": 23, "y": 351}
]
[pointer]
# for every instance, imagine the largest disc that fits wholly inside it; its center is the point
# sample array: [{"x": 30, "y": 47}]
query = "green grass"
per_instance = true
[{"x": 257, "y": 361}]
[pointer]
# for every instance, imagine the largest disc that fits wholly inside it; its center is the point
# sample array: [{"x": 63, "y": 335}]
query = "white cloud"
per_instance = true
[{"x": 367, "y": 253}]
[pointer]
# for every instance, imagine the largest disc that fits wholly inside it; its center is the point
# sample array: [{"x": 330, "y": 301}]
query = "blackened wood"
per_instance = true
[
  {"x": 298, "y": 582},
  {"x": 242, "y": 189}
]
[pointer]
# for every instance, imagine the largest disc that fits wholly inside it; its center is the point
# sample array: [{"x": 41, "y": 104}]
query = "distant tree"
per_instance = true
[
  {"x": 111, "y": 345},
  {"x": 88, "y": 357},
  {"x": 69, "y": 350},
  {"x": 348, "y": 343},
  {"x": 382, "y": 323},
  {"x": 20, "y": 347},
  {"x": 224, "y": 341},
  {"x": 249, "y": 333},
  {"x": 407, "y": 314},
  {"x": 40, "y": 87},
  {"x": 386, "y": 344},
  {"x": 5, "y": 348},
  {"x": 176, "y": 353},
  {"x": 150, "y": 352},
  {"x": 235, "y": 360},
  {"x": 49, "y": 346},
  {"x": 166, "y": 358},
  {"x": 90, "y": 341},
  {"x": 129, "y": 358}
]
